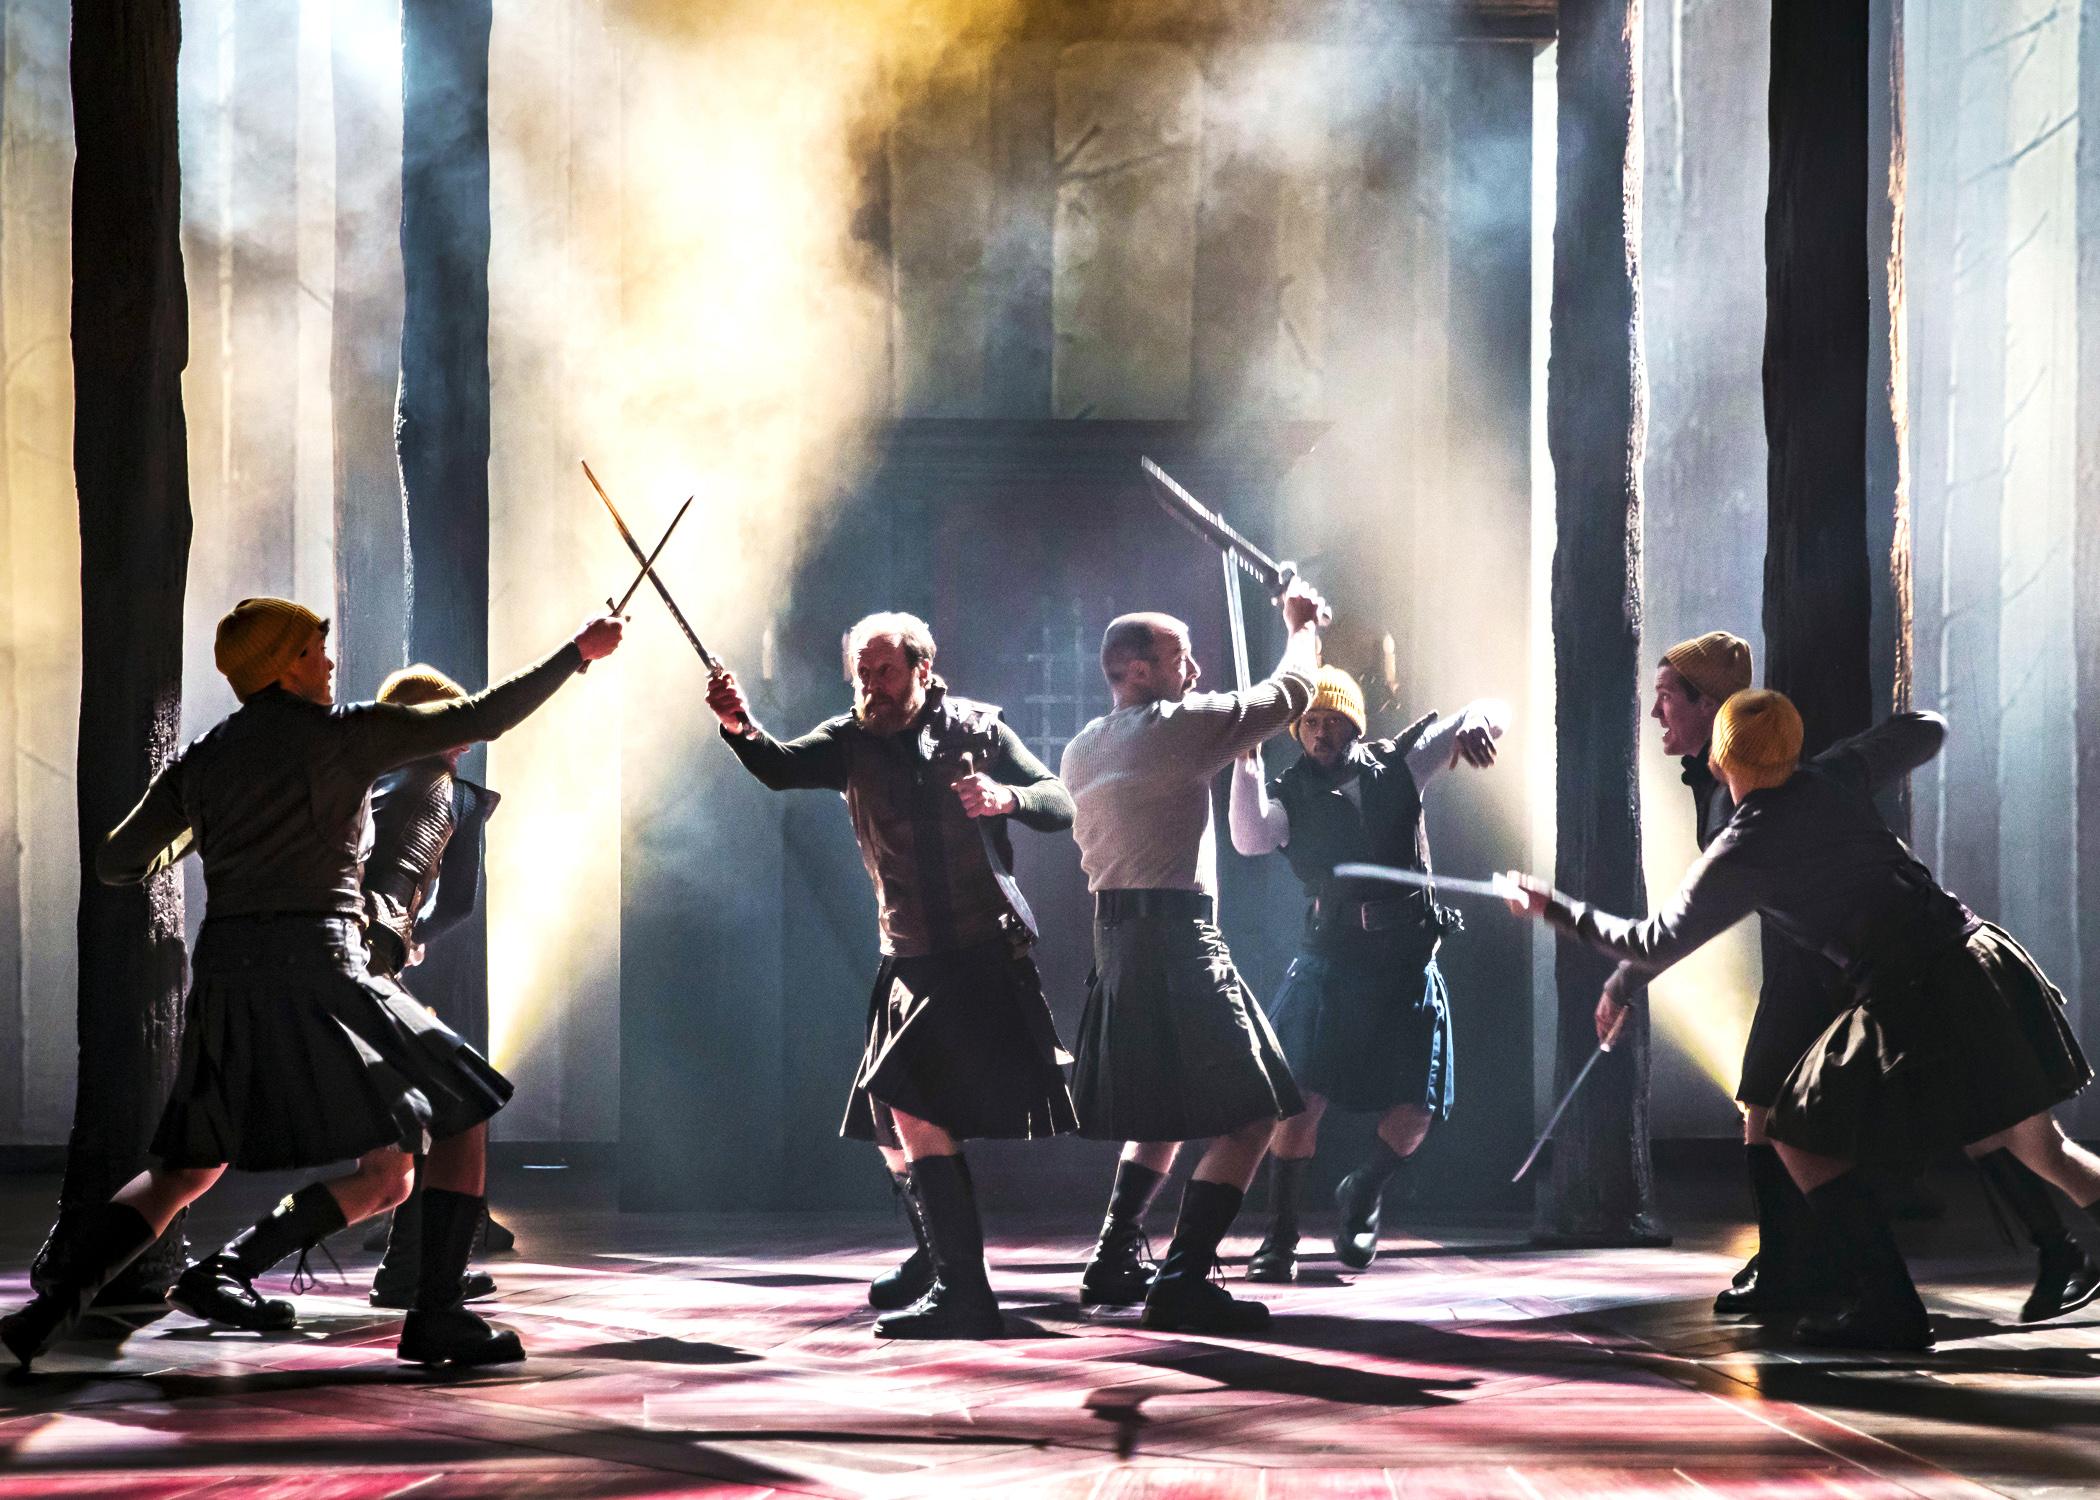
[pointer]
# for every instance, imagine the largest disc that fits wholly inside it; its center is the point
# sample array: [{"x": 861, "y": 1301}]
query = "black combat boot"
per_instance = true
[
  {"x": 1887, "y": 1312},
  {"x": 907, "y": 1283},
  {"x": 959, "y": 1304},
  {"x": 439, "y": 1330},
  {"x": 2065, "y": 1277},
  {"x": 221, "y": 1287},
  {"x": 394, "y": 1283},
  {"x": 107, "y": 1238},
  {"x": 1276, "y": 1257},
  {"x": 1793, "y": 1272},
  {"x": 1360, "y": 1199},
  {"x": 1183, "y": 1297},
  {"x": 1739, "y": 1298},
  {"x": 1117, "y": 1273}
]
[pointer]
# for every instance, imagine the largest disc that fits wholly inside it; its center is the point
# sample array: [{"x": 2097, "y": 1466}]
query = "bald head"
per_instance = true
[{"x": 1146, "y": 657}]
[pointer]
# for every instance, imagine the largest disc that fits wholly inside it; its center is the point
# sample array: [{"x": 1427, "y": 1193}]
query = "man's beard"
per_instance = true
[{"x": 880, "y": 715}]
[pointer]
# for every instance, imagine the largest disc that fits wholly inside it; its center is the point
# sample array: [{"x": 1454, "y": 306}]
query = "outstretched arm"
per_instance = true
[
  {"x": 1718, "y": 892},
  {"x": 153, "y": 835},
  {"x": 387, "y": 736},
  {"x": 1259, "y": 826},
  {"x": 1893, "y": 748},
  {"x": 816, "y": 761},
  {"x": 1468, "y": 735}
]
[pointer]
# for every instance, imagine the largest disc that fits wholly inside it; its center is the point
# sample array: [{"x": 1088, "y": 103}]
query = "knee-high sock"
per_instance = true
[
  {"x": 2020, "y": 1190},
  {"x": 954, "y": 1231},
  {"x": 1207, "y": 1212},
  {"x": 1857, "y": 1230},
  {"x": 299, "y": 1221},
  {"x": 1135, "y": 1187},
  {"x": 450, "y": 1222},
  {"x": 1286, "y": 1176}
]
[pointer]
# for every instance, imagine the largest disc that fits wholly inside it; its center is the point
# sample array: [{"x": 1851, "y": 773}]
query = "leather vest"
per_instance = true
[
  {"x": 411, "y": 825},
  {"x": 934, "y": 889},
  {"x": 1328, "y": 828}
]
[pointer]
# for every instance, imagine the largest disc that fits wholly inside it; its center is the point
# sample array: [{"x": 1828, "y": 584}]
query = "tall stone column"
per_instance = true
[
  {"x": 130, "y": 453},
  {"x": 1601, "y": 1188},
  {"x": 1818, "y": 586}
]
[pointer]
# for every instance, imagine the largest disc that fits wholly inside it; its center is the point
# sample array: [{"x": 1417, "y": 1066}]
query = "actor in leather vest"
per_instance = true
[
  {"x": 960, "y": 1041},
  {"x": 1363, "y": 1013}
]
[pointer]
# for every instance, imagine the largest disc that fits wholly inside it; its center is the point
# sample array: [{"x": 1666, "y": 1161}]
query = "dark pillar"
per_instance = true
[
  {"x": 1601, "y": 1186},
  {"x": 1818, "y": 586},
  {"x": 1820, "y": 420},
  {"x": 1887, "y": 466},
  {"x": 130, "y": 340},
  {"x": 443, "y": 425}
]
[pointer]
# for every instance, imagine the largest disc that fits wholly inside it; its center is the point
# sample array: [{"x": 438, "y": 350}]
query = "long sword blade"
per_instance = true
[
  {"x": 706, "y": 657},
  {"x": 1212, "y": 527},
  {"x": 1498, "y": 887},
  {"x": 1560, "y": 1109},
  {"x": 649, "y": 562},
  {"x": 1236, "y": 621}
]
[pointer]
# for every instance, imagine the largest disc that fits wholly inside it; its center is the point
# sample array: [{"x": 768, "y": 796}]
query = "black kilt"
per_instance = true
[
  {"x": 1173, "y": 1045},
  {"x": 963, "y": 1040},
  {"x": 1368, "y": 1031},
  {"x": 295, "y": 1055},
  {"x": 1974, "y": 1042},
  {"x": 1801, "y": 995}
]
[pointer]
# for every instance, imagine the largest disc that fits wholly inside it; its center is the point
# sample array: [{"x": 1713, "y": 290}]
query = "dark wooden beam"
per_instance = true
[
  {"x": 1600, "y": 1189},
  {"x": 130, "y": 463}
]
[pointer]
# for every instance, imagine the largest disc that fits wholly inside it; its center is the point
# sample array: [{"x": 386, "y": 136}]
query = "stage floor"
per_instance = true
[{"x": 731, "y": 1354}]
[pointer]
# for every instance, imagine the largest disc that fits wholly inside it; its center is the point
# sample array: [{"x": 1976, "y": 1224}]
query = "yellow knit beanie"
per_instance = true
[
  {"x": 1757, "y": 737},
  {"x": 1717, "y": 663},
  {"x": 258, "y": 638},
  {"x": 420, "y": 683},
  {"x": 1336, "y": 690}
]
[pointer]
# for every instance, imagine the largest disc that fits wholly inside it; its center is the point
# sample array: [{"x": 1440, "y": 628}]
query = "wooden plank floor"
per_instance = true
[{"x": 731, "y": 1355}]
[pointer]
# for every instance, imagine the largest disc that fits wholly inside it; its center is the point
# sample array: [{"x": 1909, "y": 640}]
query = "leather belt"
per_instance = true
[
  {"x": 1111, "y": 907},
  {"x": 1384, "y": 915}
]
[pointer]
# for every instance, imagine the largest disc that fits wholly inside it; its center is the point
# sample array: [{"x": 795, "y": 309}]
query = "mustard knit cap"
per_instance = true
[
  {"x": 1717, "y": 663},
  {"x": 420, "y": 683},
  {"x": 1336, "y": 690},
  {"x": 1757, "y": 736},
  {"x": 258, "y": 638}
]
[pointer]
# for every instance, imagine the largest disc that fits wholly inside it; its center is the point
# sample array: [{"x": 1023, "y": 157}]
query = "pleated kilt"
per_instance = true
[
  {"x": 1973, "y": 1042},
  {"x": 1173, "y": 1045},
  {"x": 1369, "y": 1030},
  {"x": 295, "y": 1055},
  {"x": 1801, "y": 995},
  {"x": 963, "y": 1040}
]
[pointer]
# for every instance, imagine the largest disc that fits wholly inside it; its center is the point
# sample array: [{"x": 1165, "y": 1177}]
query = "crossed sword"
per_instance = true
[{"x": 648, "y": 568}]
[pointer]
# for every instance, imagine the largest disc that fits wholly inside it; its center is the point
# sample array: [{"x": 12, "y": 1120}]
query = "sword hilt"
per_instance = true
[{"x": 611, "y": 609}]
